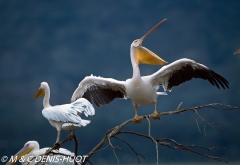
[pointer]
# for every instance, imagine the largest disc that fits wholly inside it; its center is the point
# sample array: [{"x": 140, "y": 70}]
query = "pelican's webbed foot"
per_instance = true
[
  {"x": 137, "y": 119},
  {"x": 155, "y": 115},
  {"x": 57, "y": 145},
  {"x": 70, "y": 136}
]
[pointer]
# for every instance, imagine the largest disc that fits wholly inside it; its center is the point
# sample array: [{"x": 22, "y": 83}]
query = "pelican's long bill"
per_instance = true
[
  {"x": 146, "y": 56},
  {"x": 155, "y": 27},
  {"x": 18, "y": 155},
  {"x": 40, "y": 92}
]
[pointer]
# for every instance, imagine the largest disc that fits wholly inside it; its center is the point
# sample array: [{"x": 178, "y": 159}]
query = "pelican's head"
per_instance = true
[
  {"x": 143, "y": 55},
  {"x": 41, "y": 91},
  {"x": 29, "y": 147},
  {"x": 237, "y": 52}
]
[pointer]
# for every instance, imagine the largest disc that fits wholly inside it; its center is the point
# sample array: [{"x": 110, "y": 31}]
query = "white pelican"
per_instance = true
[
  {"x": 143, "y": 90},
  {"x": 64, "y": 116},
  {"x": 30, "y": 154}
]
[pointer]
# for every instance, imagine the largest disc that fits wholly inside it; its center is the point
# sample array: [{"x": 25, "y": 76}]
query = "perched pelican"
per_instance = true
[
  {"x": 30, "y": 154},
  {"x": 143, "y": 90},
  {"x": 64, "y": 116},
  {"x": 237, "y": 52}
]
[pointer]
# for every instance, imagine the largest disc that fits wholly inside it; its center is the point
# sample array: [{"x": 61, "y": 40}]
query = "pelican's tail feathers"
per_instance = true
[
  {"x": 84, "y": 122},
  {"x": 162, "y": 93},
  {"x": 82, "y": 105},
  {"x": 80, "y": 124}
]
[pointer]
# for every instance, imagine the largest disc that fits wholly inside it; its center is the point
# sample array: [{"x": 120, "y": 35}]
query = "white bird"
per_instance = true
[
  {"x": 143, "y": 90},
  {"x": 237, "y": 52},
  {"x": 66, "y": 116},
  {"x": 30, "y": 154}
]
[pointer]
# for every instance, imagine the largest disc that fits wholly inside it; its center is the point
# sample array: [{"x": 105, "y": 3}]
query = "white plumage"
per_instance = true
[
  {"x": 237, "y": 52},
  {"x": 31, "y": 154},
  {"x": 143, "y": 90},
  {"x": 66, "y": 116}
]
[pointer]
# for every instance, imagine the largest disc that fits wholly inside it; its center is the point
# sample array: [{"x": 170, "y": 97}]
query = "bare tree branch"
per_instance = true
[
  {"x": 56, "y": 146},
  {"x": 165, "y": 142},
  {"x": 170, "y": 143},
  {"x": 137, "y": 154},
  {"x": 113, "y": 148},
  {"x": 217, "y": 106}
]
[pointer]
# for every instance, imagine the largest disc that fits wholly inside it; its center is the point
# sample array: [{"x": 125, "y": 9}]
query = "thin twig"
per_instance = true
[
  {"x": 102, "y": 149},
  {"x": 162, "y": 141},
  {"x": 206, "y": 148},
  {"x": 179, "y": 105},
  {"x": 76, "y": 146},
  {"x": 213, "y": 106},
  {"x": 149, "y": 134},
  {"x": 137, "y": 154},
  {"x": 166, "y": 154},
  {"x": 109, "y": 141},
  {"x": 198, "y": 126}
]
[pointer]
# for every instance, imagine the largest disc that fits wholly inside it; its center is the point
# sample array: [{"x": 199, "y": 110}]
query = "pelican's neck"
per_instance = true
[
  {"x": 46, "y": 98},
  {"x": 136, "y": 70}
]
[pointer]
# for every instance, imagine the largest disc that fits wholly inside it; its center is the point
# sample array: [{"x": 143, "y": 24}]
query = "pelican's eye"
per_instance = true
[{"x": 135, "y": 42}]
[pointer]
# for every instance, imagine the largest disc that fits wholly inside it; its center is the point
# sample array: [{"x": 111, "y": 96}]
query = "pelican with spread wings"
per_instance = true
[{"x": 142, "y": 90}]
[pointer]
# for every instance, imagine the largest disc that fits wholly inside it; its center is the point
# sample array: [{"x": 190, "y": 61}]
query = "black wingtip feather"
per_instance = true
[
  {"x": 187, "y": 72},
  {"x": 101, "y": 96}
]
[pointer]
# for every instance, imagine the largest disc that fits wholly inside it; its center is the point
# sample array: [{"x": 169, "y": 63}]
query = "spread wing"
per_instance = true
[
  {"x": 100, "y": 90},
  {"x": 184, "y": 70},
  {"x": 82, "y": 105},
  {"x": 69, "y": 113}
]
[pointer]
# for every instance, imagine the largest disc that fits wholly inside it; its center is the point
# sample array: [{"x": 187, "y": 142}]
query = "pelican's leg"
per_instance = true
[
  {"x": 70, "y": 136},
  {"x": 76, "y": 142},
  {"x": 137, "y": 119},
  {"x": 58, "y": 136},
  {"x": 58, "y": 144},
  {"x": 155, "y": 115}
]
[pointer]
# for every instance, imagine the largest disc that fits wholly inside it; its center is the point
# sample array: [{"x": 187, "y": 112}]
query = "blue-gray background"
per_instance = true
[{"x": 61, "y": 42}]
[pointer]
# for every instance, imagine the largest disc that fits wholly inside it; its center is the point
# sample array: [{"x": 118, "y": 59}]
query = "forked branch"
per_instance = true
[{"x": 166, "y": 142}]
